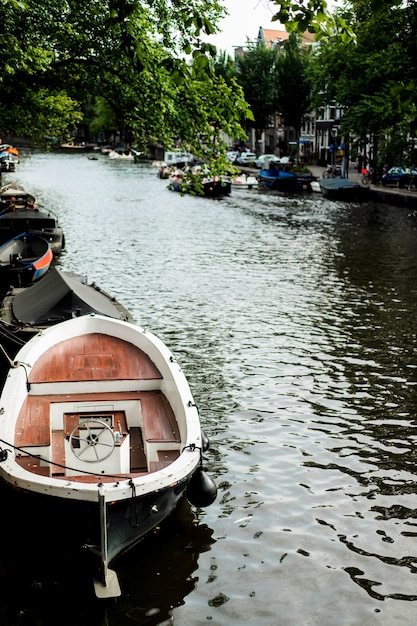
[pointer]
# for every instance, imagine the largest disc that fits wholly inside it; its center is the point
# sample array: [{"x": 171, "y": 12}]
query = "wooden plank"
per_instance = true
[
  {"x": 137, "y": 454},
  {"x": 159, "y": 421},
  {"x": 58, "y": 453},
  {"x": 33, "y": 423}
]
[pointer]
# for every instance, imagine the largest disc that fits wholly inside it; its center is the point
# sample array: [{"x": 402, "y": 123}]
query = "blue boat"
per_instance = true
[
  {"x": 24, "y": 259},
  {"x": 283, "y": 180}
]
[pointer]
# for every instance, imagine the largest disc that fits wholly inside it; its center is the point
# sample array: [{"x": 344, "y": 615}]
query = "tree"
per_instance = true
[
  {"x": 372, "y": 78},
  {"x": 293, "y": 83},
  {"x": 133, "y": 55},
  {"x": 256, "y": 74}
]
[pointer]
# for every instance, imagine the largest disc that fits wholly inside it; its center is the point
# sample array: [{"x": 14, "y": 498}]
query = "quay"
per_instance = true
[{"x": 377, "y": 193}]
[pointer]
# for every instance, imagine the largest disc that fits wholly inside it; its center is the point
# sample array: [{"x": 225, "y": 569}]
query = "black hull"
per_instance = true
[{"x": 66, "y": 529}]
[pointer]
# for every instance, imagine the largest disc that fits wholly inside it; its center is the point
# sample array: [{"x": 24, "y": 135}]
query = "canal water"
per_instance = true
[{"x": 294, "y": 319}]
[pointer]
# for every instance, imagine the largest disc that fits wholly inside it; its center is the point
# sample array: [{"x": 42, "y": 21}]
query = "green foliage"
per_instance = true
[
  {"x": 372, "y": 76},
  {"x": 123, "y": 59},
  {"x": 293, "y": 83},
  {"x": 257, "y": 78}
]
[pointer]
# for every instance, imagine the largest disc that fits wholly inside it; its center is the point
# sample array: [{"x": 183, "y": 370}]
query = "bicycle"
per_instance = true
[
  {"x": 366, "y": 176},
  {"x": 332, "y": 172}
]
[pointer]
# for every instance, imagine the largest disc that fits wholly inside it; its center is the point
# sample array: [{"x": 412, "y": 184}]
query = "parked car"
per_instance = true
[
  {"x": 286, "y": 160},
  {"x": 246, "y": 158},
  {"x": 265, "y": 159},
  {"x": 232, "y": 156},
  {"x": 399, "y": 177}
]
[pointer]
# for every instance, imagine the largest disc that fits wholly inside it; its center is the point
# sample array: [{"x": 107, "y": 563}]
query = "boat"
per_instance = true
[
  {"x": 199, "y": 182},
  {"x": 99, "y": 432},
  {"x": 177, "y": 158},
  {"x": 283, "y": 180},
  {"x": 343, "y": 189},
  {"x": 24, "y": 259},
  {"x": 245, "y": 181},
  {"x": 72, "y": 147},
  {"x": 9, "y": 158},
  {"x": 121, "y": 155},
  {"x": 59, "y": 296},
  {"x": 19, "y": 213}
]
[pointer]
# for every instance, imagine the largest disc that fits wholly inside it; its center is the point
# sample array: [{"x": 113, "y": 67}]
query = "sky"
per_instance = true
[{"x": 243, "y": 22}]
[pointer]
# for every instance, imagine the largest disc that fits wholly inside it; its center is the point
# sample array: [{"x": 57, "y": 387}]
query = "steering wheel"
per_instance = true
[{"x": 94, "y": 442}]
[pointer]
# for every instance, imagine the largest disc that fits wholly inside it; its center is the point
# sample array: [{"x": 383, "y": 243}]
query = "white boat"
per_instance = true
[
  {"x": 99, "y": 426},
  {"x": 245, "y": 182},
  {"x": 121, "y": 155}
]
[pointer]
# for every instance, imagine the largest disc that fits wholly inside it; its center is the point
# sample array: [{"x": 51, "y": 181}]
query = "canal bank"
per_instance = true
[{"x": 377, "y": 193}]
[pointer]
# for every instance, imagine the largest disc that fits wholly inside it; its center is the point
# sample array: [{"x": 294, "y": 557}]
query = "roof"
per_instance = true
[{"x": 273, "y": 37}]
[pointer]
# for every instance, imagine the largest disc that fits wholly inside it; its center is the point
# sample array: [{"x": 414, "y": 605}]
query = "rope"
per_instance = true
[{"x": 66, "y": 467}]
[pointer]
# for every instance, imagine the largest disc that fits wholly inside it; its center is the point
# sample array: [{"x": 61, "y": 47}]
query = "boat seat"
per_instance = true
[
  {"x": 165, "y": 458},
  {"x": 164, "y": 427},
  {"x": 32, "y": 464}
]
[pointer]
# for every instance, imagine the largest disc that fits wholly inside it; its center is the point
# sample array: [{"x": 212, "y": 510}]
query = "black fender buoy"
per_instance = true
[{"x": 201, "y": 490}]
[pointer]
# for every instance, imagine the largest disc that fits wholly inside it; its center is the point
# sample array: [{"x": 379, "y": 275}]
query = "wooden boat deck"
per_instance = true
[
  {"x": 93, "y": 357},
  {"x": 33, "y": 423}
]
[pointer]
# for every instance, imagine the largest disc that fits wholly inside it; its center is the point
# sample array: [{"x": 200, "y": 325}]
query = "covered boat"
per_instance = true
[
  {"x": 283, "y": 180},
  {"x": 100, "y": 431},
  {"x": 19, "y": 213},
  {"x": 343, "y": 189},
  {"x": 24, "y": 259},
  {"x": 59, "y": 296}
]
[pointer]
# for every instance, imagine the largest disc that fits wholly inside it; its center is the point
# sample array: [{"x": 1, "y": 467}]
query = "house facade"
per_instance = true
[{"x": 319, "y": 139}]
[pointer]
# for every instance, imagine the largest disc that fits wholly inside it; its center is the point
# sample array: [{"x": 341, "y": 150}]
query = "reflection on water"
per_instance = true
[{"x": 294, "y": 320}]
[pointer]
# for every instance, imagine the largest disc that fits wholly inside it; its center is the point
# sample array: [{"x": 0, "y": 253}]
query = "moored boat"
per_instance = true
[
  {"x": 283, "y": 180},
  {"x": 343, "y": 189},
  {"x": 19, "y": 213},
  {"x": 98, "y": 422},
  {"x": 244, "y": 181},
  {"x": 23, "y": 260},
  {"x": 9, "y": 158},
  {"x": 198, "y": 181}
]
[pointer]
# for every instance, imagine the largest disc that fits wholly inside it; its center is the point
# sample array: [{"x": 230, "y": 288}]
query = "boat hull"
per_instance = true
[
  {"x": 128, "y": 521},
  {"x": 98, "y": 422},
  {"x": 281, "y": 180}
]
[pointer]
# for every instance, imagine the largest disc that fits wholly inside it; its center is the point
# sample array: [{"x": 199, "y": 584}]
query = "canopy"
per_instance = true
[{"x": 59, "y": 296}]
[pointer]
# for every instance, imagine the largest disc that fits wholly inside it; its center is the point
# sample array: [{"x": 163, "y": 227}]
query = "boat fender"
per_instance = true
[{"x": 201, "y": 490}]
